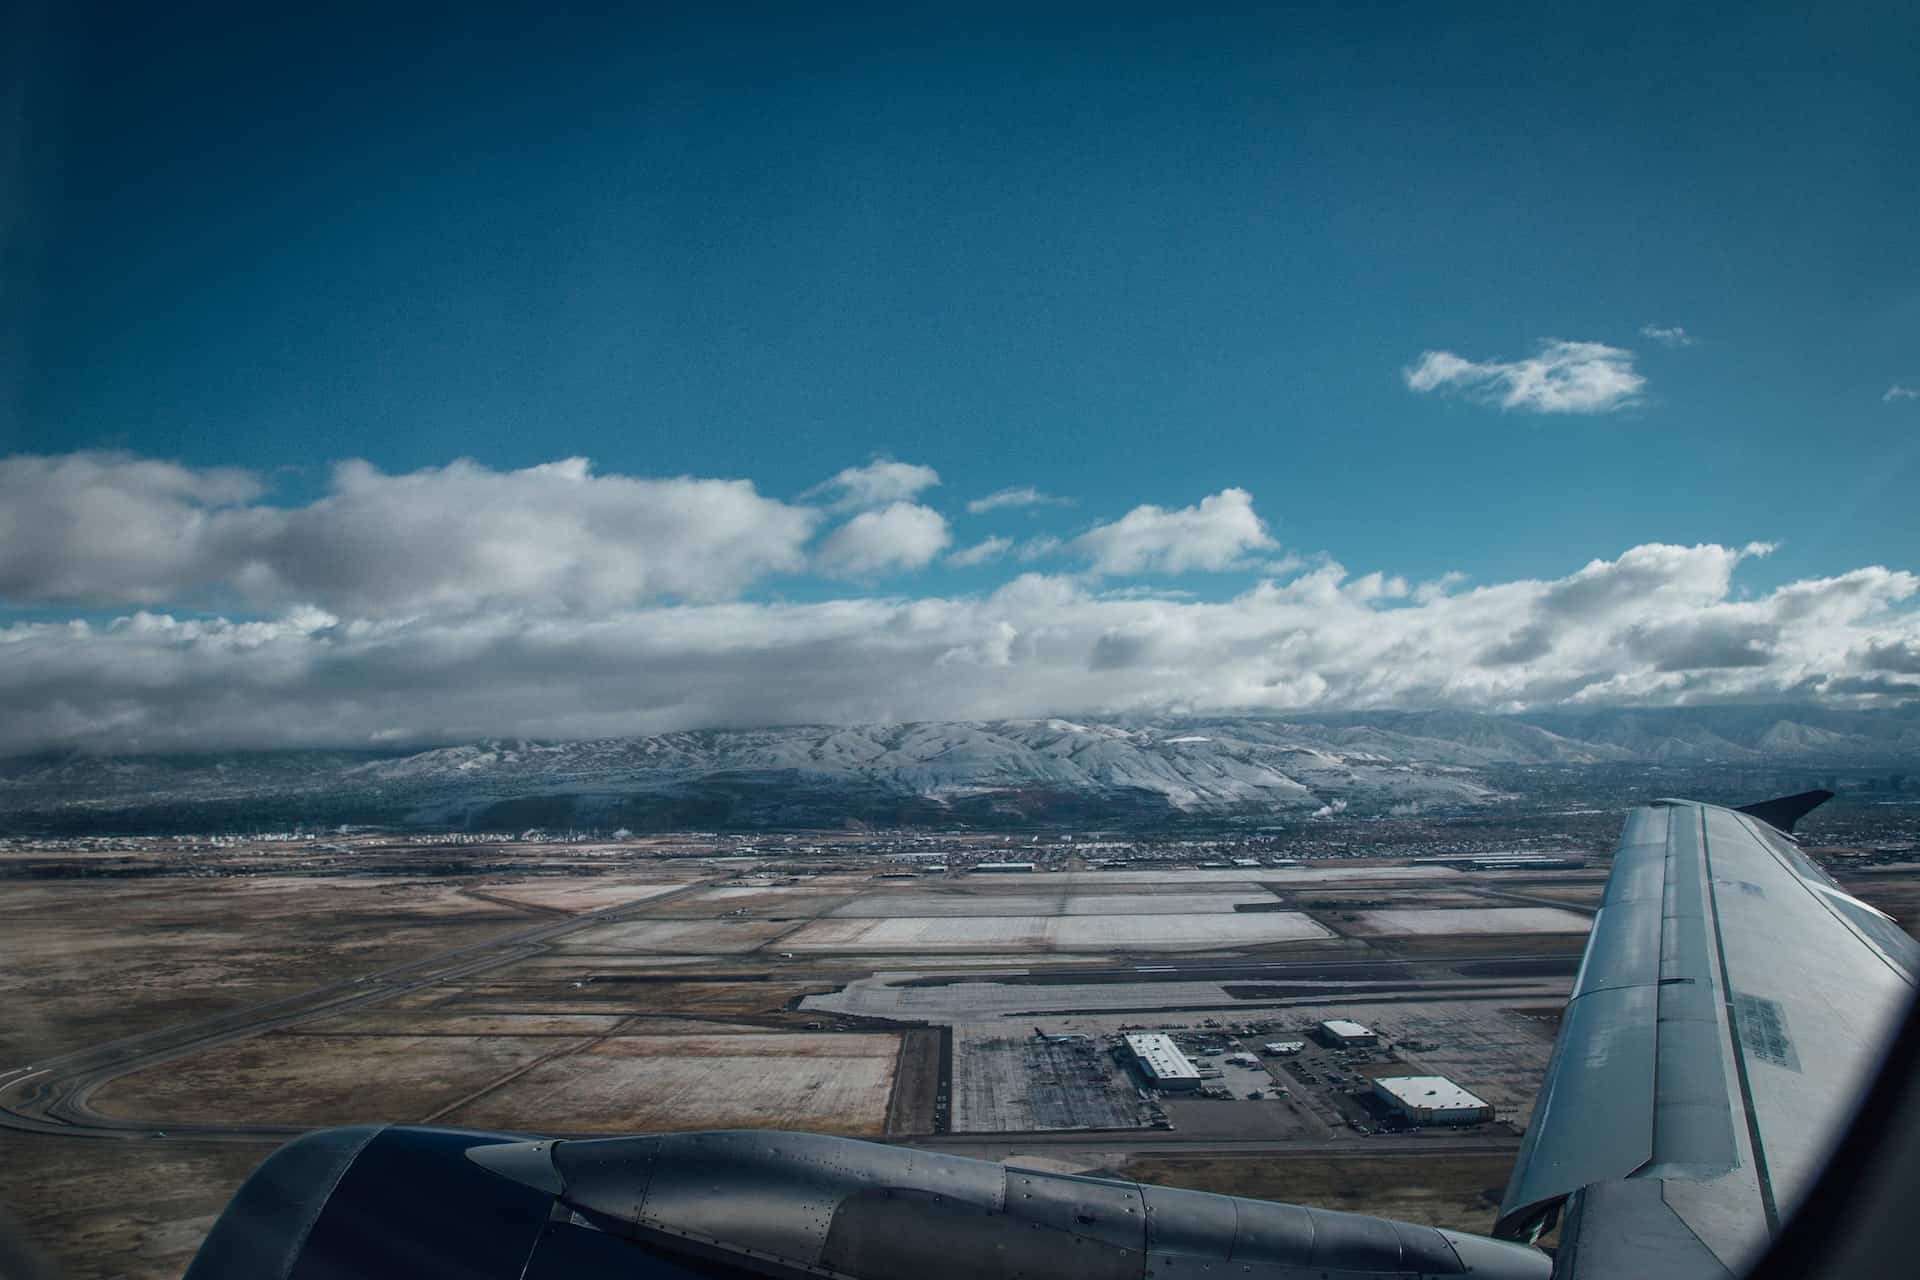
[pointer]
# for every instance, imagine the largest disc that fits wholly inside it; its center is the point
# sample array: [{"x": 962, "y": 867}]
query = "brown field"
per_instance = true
[
  {"x": 1457, "y": 1191},
  {"x": 574, "y": 894},
  {"x": 1897, "y": 894},
  {"x": 826, "y": 1083},
  {"x": 719, "y": 998},
  {"x": 119, "y": 1209},
  {"x": 656, "y": 1025},
  {"x": 88, "y": 961},
  {"x": 322, "y": 1080},
  {"x": 414, "y": 1023}
]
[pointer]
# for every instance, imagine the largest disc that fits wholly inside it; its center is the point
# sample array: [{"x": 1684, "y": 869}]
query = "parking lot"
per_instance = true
[{"x": 1009, "y": 1083}]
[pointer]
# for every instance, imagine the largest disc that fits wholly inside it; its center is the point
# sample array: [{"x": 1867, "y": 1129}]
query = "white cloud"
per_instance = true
[
  {"x": 1019, "y": 496},
  {"x": 1212, "y": 536},
  {"x": 1427, "y": 592},
  {"x": 1669, "y": 335},
  {"x": 1899, "y": 392},
  {"x": 460, "y": 601},
  {"x": 1039, "y": 547},
  {"x": 1565, "y": 377},
  {"x": 1657, "y": 624},
  {"x": 877, "y": 484},
  {"x": 109, "y": 528},
  {"x": 981, "y": 552},
  {"x": 901, "y": 536}
]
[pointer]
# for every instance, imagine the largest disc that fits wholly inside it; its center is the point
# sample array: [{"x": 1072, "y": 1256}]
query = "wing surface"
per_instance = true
[{"x": 1731, "y": 1007}]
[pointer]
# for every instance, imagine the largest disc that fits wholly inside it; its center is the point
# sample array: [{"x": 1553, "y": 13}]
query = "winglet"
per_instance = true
[{"x": 1783, "y": 811}]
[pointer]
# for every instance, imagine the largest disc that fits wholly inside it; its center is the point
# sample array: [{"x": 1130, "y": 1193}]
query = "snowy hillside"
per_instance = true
[{"x": 970, "y": 771}]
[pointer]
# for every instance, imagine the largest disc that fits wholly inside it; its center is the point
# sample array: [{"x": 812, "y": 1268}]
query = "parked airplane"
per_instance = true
[{"x": 1727, "y": 1020}]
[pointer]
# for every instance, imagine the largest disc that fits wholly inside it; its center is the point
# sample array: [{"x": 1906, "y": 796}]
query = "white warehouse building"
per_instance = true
[
  {"x": 1346, "y": 1034},
  {"x": 1431, "y": 1100},
  {"x": 1161, "y": 1061}
]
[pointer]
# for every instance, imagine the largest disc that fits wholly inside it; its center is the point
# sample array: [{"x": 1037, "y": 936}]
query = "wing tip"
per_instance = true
[{"x": 1782, "y": 812}]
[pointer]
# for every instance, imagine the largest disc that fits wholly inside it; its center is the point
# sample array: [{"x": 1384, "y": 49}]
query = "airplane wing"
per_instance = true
[{"x": 1732, "y": 1006}]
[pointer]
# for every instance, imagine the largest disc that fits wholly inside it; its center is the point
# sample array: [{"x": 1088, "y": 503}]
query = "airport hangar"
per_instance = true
[
  {"x": 1161, "y": 1061},
  {"x": 1342, "y": 1033},
  {"x": 1431, "y": 1100}
]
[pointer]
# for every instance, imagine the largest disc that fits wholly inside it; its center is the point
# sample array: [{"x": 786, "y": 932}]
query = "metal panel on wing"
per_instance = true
[{"x": 1595, "y": 1119}]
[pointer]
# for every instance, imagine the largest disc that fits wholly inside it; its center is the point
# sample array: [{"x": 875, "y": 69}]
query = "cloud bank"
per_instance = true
[
  {"x": 459, "y": 601},
  {"x": 1564, "y": 377},
  {"x": 1656, "y": 624},
  {"x": 106, "y": 528}
]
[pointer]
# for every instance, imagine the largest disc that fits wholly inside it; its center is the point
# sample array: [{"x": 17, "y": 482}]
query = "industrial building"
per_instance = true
[
  {"x": 1161, "y": 1061},
  {"x": 1431, "y": 1100},
  {"x": 1003, "y": 866},
  {"x": 1342, "y": 1034},
  {"x": 1285, "y": 1048}
]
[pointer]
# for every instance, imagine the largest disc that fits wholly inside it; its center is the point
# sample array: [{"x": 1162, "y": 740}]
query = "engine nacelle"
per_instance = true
[{"x": 449, "y": 1203}]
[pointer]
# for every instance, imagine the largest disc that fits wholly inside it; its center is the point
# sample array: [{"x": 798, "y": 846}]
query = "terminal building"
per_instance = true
[
  {"x": 1431, "y": 1100},
  {"x": 1162, "y": 1063},
  {"x": 1342, "y": 1034}
]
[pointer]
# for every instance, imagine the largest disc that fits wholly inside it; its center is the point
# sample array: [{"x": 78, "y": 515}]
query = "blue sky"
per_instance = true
[{"x": 1123, "y": 254}]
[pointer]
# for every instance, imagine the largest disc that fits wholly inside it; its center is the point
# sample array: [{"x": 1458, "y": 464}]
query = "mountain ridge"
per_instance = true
[{"x": 1221, "y": 766}]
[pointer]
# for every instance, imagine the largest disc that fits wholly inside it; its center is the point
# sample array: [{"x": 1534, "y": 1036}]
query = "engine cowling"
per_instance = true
[{"x": 452, "y": 1203}]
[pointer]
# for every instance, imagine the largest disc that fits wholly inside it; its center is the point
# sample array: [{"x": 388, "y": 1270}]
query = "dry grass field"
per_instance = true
[
  {"x": 633, "y": 1084},
  {"x": 322, "y": 1080},
  {"x": 119, "y": 1210},
  {"x": 574, "y": 894},
  {"x": 88, "y": 961},
  {"x": 1457, "y": 1191}
]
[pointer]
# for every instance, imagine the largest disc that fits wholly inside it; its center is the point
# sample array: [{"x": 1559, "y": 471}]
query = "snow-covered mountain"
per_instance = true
[
  {"x": 1192, "y": 767},
  {"x": 1070, "y": 770}
]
